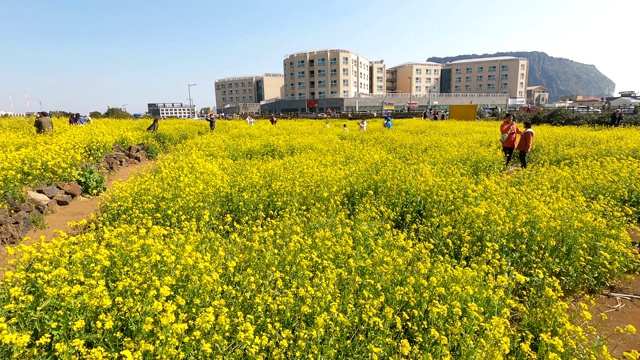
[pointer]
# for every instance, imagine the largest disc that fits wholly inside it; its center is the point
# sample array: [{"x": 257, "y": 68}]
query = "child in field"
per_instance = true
[
  {"x": 387, "y": 122},
  {"x": 524, "y": 146},
  {"x": 508, "y": 132}
]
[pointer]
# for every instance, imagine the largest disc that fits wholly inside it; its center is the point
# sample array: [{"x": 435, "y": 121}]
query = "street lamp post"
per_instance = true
[
  {"x": 410, "y": 94},
  {"x": 191, "y": 100}
]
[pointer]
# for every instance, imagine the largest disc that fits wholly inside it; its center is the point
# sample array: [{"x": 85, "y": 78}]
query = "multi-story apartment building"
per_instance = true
[
  {"x": 248, "y": 89},
  {"x": 331, "y": 73},
  {"x": 172, "y": 110},
  {"x": 504, "y": 74},
  {"x": 414, "y": 77}
]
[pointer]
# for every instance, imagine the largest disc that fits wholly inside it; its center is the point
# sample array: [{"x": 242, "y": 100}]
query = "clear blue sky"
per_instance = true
[{"x": 86, "y": 55}]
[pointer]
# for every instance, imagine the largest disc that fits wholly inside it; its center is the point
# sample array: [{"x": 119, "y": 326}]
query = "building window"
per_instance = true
[
  {"x": 312, "y": 84},
  {"x": 334, "y": 94},
  {"x": 492, "y": 68},
  {"x": 469, "y": 70},
  {"x": 491, "y": 86},
  {"x": 224, "y": 92},
  {"x": 379, "y": 79},
  {"x": 221, "y": 86},
  {"x": 249, "y": 83},
  {"x": 302, "y": 96},
  {"x": 504, "y": 76},
  {"x": 428, "y": 72},
  {"x": 322, "y": 73},
  {"x": 480, "y": 69},
  {"x": 300, "y": 63},
  {"x": 436, "y": 72},
  {"x": 467, "y": 79},
  {"x": 250, "y": 91},
  {"x": 292, "y": 85},
  {"x": 312, "y": 95},
  {"x": 345, "y": 72},
  {"x": 504, "y": 68},
  {"x": 479, "y": 78},
  {"x": 334, "y": 83},
  {"x": 334, "y": 61},
  {"x": 345, "y": 82},
  {"x": 322, "y": 83},
  {"x": 311, "y": 73},
  {"x": 224, "y": 99},
  {"x": 467, "y": 87},
  {"x": 521, "y": 76},
  {"x": 418, "y": 71},
  {"x": 250, "y": 97},
  {"x": 345, "y": 60},
  {"x": 503, "y": 85},
  {"x": 345, "y": 93},
  {"x": 427, "y": 80},
  {"x": 244, "y": 98},
  {"x": 302, "y": 85},
  {"x": 322, "y": 62},
  {"x": 243, "y": 84},
  {"x": 458, "y": 79},
  {"x": 237, "y": 92},
  {"x": 479, "y": 87},
  {"x": 300, "y": 74},
  {"x": 457, "y": 88},
  {"x": 418, "y": 88},
  {"x": 244, "y": 91},
  {"x": 521, "y": 85},
  {"x": 378, "y": 88},
  {"x": 458, "y": 71},
  {"x": 418, "y": 80},
  {"x": 290, "y": 64},
  {"x": 322, "y": 94},
  {"x": 491, "y": 78},
  {"x": 334, "y": 72},
  {"x": 237, "y": 85},
  {"x": 379, "y": 71},
  {"x": 520, "y": 93},
  {"x": 522, "y": 67}
]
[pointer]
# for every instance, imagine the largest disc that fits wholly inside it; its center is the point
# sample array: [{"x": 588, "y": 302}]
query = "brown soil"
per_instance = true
[
  {"x": 620, "y": 312},
  {"x": 79, "y": 209}
]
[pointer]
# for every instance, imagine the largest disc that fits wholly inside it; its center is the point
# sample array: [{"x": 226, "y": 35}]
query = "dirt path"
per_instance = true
[
  {"x": 620, "y": 313},
  {"x": 79, "y": 209}
]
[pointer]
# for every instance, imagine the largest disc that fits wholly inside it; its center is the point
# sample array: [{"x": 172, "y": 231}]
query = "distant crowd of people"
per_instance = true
[{"x": 77, "y": 119}]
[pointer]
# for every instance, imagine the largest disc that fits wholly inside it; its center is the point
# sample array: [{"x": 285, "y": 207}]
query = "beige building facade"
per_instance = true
[
  {"x": 505, "y": 74},
  {"x": 233, "y": 91},
  {"x": 537, "y": 95},
  {"x": 416, "y": 78},
  {"x": 331, "y": 73}
]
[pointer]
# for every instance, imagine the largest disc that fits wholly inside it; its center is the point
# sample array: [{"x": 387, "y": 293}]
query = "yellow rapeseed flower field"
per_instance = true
[{"x": 302, "y": 241}]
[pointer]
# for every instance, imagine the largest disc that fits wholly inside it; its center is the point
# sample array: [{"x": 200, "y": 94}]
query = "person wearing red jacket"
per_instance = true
[
  {"x": 509, "y": 132},
  {"x": 524, "y": 146}
]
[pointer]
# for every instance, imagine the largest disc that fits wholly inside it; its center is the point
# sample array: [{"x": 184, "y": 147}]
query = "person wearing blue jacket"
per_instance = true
[{"x": 387, "y": 122}]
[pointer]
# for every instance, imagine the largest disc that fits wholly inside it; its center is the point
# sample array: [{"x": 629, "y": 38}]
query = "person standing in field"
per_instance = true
[
  {"x": 43, "y": 123},
  {"x": 508, "y": 136},
  {"x": 154, "y": 125},
  {"x": 387, "y": 122},
  {"x": 274, "y": 120},
  {"x": 524, "y": 146},
  {"x": 616, "y": 118},
  {"x": 363, "y": 124},
  {"x": 211, "y": 118},
  {"x": 250, "y": 120}
]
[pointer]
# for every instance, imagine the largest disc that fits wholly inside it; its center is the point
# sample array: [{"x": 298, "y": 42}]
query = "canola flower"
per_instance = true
[
  {"x": 300, "y": 241},
  {"x": 29, "y": 159}
]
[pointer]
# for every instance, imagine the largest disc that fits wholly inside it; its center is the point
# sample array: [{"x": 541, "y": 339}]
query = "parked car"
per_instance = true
[{"x": 586, "y": 109}]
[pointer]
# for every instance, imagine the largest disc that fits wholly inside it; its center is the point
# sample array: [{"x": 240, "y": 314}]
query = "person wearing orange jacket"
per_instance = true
[
  {"x": 524, "y": 146},
  {"x": 509, "y": 132}
]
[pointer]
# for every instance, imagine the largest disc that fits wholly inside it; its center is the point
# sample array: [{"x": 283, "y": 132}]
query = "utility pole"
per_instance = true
[{"x": 191, "y": 100}]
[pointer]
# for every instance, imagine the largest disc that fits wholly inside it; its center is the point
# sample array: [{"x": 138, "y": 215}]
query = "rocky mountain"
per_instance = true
[{"x": 562, "y": 77}]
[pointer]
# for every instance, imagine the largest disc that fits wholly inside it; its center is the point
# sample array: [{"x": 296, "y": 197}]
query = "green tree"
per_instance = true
[
  {"x": 95, "y": 114},
  {"x": 117, "y": 113}
]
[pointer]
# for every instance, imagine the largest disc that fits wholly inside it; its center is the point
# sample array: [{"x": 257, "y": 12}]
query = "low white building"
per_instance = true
[{"x": 172, "y": 110}]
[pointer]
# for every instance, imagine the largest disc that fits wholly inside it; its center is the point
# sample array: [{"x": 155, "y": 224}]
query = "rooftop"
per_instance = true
[
  {"x": 496, "y": 58},
  {"x": 426, "y": 63},
  {"x": 321, "y": 51}
]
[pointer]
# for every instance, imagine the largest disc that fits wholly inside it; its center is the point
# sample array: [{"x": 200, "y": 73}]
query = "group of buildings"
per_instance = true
[{"x": 343, "y": 80}]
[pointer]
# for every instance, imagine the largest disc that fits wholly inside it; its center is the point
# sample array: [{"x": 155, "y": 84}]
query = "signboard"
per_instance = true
[{"x": 388, "y": 105}]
